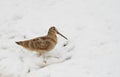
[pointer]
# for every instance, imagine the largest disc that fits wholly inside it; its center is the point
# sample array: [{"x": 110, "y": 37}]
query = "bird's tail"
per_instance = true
[{"x": 19, "y": 43}]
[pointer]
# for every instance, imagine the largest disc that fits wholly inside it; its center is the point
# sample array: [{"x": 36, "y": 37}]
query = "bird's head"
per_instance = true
[{"x": 54, "y": 30}]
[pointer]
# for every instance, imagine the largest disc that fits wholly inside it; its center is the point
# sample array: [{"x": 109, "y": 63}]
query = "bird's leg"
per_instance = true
[
  {"x": 39, "y": 54},
  {"x": 44, "y": 58}
]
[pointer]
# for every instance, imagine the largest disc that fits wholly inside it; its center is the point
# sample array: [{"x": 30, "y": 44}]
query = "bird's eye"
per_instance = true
[{"x": 53, "y": 28}]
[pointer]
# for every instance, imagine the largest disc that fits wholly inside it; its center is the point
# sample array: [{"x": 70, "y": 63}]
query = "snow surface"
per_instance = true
[{"x": 92, "y": 27}]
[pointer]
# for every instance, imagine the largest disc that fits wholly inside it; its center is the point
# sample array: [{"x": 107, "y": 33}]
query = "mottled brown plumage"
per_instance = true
[{"x": 42, "y": 44}]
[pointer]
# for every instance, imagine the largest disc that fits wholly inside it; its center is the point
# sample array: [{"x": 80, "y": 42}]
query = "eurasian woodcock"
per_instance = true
[{"x": 42, "y": 44}]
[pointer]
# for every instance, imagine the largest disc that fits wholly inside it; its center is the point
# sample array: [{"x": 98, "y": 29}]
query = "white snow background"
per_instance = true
[{"x": 92, "y": 27}]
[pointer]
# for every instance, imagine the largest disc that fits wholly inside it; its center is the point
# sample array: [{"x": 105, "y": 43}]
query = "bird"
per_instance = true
[{"x": 42, "y": 44}]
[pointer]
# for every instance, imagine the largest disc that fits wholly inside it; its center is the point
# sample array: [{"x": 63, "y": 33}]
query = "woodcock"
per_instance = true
[{"x": 42, "y": 44}]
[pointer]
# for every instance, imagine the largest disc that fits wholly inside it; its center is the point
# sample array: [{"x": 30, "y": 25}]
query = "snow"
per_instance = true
[{"x": 92, "y": 27}]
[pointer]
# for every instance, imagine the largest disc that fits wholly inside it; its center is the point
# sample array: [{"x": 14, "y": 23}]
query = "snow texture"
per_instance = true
[{"x": 92, "y": 27}]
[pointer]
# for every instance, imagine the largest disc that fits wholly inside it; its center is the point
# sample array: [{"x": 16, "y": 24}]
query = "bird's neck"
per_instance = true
[{"x": 52, "y": 35}]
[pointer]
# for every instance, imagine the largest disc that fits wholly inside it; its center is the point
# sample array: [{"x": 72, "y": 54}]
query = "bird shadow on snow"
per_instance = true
[{"x": 18, "y": 62}]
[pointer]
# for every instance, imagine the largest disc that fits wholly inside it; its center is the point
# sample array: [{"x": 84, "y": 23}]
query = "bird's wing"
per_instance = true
[{"x": 41, "y": 43}]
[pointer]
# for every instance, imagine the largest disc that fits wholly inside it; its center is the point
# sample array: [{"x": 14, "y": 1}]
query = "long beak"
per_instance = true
[{"x": 62, "y": 35}]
